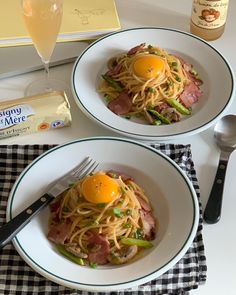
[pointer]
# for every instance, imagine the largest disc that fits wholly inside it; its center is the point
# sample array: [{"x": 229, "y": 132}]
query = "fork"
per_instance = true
[{"x": 11, "y": 228}]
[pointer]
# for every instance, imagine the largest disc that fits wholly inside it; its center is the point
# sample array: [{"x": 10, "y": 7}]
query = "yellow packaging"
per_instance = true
[{"x": 34, "y": 114}]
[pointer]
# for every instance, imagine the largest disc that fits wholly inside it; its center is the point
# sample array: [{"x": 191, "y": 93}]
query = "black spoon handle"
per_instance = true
[
  {"x": 212, "y": 211},
  {"x": 11, "y": 228}
]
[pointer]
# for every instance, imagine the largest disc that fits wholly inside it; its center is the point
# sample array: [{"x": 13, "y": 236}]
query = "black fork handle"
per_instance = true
[{"x": 11, "y": 228}]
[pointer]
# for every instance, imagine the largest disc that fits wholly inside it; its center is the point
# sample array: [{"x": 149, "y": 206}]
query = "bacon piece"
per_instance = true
[
  {"x": 58, "y": 233},
  {"x": 144, "y": 205},
  {"x": 191, "y": 92},
  {"x": 136, "y": 49},
  {"x": 54, "y": 206},
  {"x": 115, "y": 70},
  {"x": 121, "y": 105},
  {"x": 188, "y": 68},
  {"x": 99, "y": 249},
  {"x": 149, "y": 223},
  {"x": 161, "y": 107},
  {"x": 55, "y": 209},
  {"x": 190, "y": 95}
]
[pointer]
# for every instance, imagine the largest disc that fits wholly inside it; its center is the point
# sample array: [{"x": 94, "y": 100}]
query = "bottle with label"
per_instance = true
[{"x": 208, "y": 18}]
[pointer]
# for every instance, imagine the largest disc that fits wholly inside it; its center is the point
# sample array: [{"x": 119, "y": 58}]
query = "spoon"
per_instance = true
[{"x": 225, "y": 137}]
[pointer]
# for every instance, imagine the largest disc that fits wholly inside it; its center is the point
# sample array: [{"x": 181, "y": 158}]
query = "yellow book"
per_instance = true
[{"x": 82, "y": 20}]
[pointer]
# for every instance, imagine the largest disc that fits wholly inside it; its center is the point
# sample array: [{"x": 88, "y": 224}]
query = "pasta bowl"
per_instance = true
[
  {"x": 211, "y": 65},
  {"x": 169, "y": 190}
]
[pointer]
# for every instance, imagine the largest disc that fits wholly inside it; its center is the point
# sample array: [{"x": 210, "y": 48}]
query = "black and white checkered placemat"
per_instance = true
[{"x": 17, "y": 278}]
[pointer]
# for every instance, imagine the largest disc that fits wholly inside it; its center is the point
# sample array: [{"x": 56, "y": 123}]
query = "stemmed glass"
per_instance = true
[{"x": 43, "y": 20}]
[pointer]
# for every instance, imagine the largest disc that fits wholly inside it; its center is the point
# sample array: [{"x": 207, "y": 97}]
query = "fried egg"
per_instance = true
[
  {"x": 148, "y": 66},
  {"x": 100, "y": 188}
]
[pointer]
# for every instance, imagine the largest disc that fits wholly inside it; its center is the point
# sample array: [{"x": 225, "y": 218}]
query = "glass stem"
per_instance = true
[{"x": 46, "y": 68}]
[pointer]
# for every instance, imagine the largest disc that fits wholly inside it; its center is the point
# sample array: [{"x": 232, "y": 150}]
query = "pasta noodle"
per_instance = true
[
  {"x": 118, "y": 213},
  {"x": 151, "y": 78}
]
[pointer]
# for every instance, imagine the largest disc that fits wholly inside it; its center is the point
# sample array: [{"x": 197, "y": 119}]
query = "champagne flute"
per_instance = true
[{"x": 43, "y": 20}]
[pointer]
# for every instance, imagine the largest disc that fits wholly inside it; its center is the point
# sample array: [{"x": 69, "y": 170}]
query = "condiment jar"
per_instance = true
[{"x": 208, "y": 18}]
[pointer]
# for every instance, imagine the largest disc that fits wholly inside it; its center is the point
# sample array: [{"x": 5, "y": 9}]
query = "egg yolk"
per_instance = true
[
  {"x": 148, "y": 66},
  {"x": 100, "y": 188}
]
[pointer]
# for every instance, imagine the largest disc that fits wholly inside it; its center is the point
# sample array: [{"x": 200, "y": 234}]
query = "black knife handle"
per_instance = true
[
  {"x": 213, "y": 208},
  {"x": 11, "y": 228}
]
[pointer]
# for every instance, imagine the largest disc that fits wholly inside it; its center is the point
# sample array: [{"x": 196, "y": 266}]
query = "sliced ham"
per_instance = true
[
  {"x": 121, "y": 105},
  {"x": 58, "y": 233},
  {"x": 99, "y": 249},
  {"x": 188, "y": 68},
  {"x": 136, "y": 49},
  {"x": 144, "y": 205},
  {"x": 161, "y": 107},
  {"x": 55, "y": 209},
  {"x": 190, "y": 95},
  {"x": 115, "y": 70},
  {"x": 148, "y": 222},
  {"x": 55, "y": 205}
]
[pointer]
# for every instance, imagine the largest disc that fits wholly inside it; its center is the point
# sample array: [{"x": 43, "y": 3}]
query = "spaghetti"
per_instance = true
[
  {"x": 149, "y": 78},
  {"x": 104, "y": 218}
]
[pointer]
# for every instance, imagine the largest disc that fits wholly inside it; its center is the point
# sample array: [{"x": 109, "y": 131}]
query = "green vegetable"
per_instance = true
[
  {"x": 68, "y": 255},
  {"x": 159, "y": 116},
  {"x": 170, "y": 82},
  {"x": 155, "y": 52},
  {"x": 127, "y": 225},
  {"x": 101, "y": 205},
  {"x": 113, "y": 83},
  {"x": 178, "y": 106},
  {"x": 195, "y": 74},
  {"x": 108, "y": 97},
  {"x": 177, "y": 78},
  {"x": 138, "y": 234},
  {"x": 65, "y": 209},
  {"x": 151, "y": 90},
  {"x": 121, "y": 201},
  {"x": 157, "y": 122},
  {"x": 122, "y": 189},
  {"x": 116, "y": 212},
  {"x": 93, "y": 264},
  {"x": 137, "y": 242},
  {"x": 128, "y": 212},
  {"x": 92, "y": 222}
]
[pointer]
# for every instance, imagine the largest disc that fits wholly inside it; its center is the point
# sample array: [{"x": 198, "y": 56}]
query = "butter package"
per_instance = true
[{"x": 34, "y": 114}]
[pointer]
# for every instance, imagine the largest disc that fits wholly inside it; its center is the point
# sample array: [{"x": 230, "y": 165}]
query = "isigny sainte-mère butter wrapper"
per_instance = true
[{"x": 34, "y": 114}]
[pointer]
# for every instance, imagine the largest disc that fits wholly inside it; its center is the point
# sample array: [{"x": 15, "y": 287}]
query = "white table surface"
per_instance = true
[{"x": 220, "y": 238}]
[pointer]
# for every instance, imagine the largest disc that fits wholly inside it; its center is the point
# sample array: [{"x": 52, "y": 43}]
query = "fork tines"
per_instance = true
[{"x": 89, "y": 165}]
